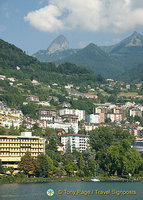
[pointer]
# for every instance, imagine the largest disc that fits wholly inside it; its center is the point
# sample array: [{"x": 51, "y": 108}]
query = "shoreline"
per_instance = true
[{"x": 7, "y": 180}]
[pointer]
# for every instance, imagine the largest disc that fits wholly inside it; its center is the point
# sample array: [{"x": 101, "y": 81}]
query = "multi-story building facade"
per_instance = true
[
  {"x": 93, "y": 118},
  {"x": 79, "y": 113},
  {"x": 139, "y": 145},
  {"x": 70, "y": 118},
  {"x": 10, "y": 117},
  {"x": 90, "y": 126},
  {"x": 60, "y": 125},
  {"x": 135, "y": 112},
  {"x": 46, "y": 112},
  {"x": 114, "y": 117},
  {"x": 114, "y": 112},
  {"x": 100, "y": 109},
  {"x": 12, "y": 148},
  {"x": 75, "y": 141}
]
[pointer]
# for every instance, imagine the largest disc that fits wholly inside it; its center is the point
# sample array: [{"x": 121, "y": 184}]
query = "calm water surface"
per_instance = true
[{"x": 72, "y": 191}]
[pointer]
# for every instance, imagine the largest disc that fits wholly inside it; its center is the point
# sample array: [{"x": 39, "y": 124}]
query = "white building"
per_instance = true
[
  {"x": 43, "y": 103},
  {"x": 76, "y": 142},
  {"x": 79, "y": 113},
  {"x": 33, "y": 98},
  {"x": 60, "y": 125},
  {"x": 10, "y": 117},
  {"x": 69, "y": 86},
  {"x": 93, "y": 118},
  {"x": 45, "y": 118},
  {"x": 115, "y": 117},
  {"x": 2, "y": 77}
]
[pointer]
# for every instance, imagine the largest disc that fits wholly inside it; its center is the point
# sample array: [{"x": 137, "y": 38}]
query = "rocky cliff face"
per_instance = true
[{"x": 59, "y": 44}]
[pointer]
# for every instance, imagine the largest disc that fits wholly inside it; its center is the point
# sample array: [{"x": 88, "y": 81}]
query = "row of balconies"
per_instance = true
[
  {"x": 14, "y": 155},
  {"x": 19, "y": 150},
  {"x": 8, "y": 146},
  {"x": 15, "y": 151},
  {"x": 19, "y": 142}
]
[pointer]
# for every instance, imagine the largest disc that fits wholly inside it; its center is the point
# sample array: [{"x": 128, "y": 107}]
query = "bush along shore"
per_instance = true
[{"x": 22, "y": 178}]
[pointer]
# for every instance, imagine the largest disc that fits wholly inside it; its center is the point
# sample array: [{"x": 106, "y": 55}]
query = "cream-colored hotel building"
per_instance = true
[{"x": 12, "y": 148}]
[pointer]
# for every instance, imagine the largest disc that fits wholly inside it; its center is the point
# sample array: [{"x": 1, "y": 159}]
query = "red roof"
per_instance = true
[{"x": 90, "y": 95}]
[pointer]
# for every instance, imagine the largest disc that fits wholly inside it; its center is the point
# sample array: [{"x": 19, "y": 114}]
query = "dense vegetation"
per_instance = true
[
  {"x": 114, "y": 152},
  {"x": 31, "y": 68},
  {"x": 111, "y": 154},
  {"x": 133, "y": 75},
  {"x": 47, "y": 74},
  {"x": 95, "y": 59}
]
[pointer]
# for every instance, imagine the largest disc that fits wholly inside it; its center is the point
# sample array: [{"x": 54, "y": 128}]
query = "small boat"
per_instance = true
[{"x": 95, "y": 179}]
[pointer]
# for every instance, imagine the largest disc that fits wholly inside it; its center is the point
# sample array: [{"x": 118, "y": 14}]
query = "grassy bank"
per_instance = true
[{"x": 11, "y": 179}]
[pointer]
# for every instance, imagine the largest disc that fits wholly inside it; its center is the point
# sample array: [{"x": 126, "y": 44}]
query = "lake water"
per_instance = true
[{"x": 73, "y": 191}]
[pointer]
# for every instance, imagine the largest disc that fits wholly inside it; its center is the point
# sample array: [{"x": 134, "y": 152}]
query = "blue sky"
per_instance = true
[{"x": 33, "y": 24}]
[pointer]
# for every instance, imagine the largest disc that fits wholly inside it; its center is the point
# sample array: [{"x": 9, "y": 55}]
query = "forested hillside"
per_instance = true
[
  {"x": 134, "y": 75},
  {"x": 31, "y": 68}
]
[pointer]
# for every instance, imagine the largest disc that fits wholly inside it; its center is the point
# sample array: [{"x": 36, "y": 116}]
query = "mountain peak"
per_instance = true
[
  {"x": 59, "y": 44},
  {"x": 91, "y": 45},
  {"x": 135, "y": 33},
  {"x": 136, "y": 39}
]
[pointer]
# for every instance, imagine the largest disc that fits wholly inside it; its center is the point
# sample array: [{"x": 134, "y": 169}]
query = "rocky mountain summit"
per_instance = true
[
  {"x": 59, "y": 44},
  {"x": 109, "y": 61},
  {"x": 57, "y": 50}
]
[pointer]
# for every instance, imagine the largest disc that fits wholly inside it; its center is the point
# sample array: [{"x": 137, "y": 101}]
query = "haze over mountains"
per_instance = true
[{"x": 109, "y": 61}]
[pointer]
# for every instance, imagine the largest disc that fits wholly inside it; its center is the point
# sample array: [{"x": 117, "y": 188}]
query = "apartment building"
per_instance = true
[
  {"x": 93, "y": 118},
  {"x": 135, "y": 112},
  {"x": 139, "y": 145},
  {"x": 47, "y": 112},
  {"x": 10, "y": 117},
  {"x": 12, "y": 148},
  {"x": 70, "y": 118},
  {"x": 79, "y": 113},
  {"x": 66, "y": 126},
  {"x": 115, "y": 117},
  {"x": 75, "y": 141}
]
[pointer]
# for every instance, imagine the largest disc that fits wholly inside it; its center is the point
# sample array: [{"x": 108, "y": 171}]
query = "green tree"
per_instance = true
[
  {"x": 27, "y": 164},
  {"x": 52, "y": 145},
  {"x": 1, "y": 168},
  {"x": 105, "y": 141},
  {"x": 68, "y": 147},
  {"x": 81, "y": 163},
  {"x": 50, "y": 133},
  {"x": 3, "y": 131},
  {"x": 45, "y": 165},
  {"x": 132, "y": 161},
  {"x": 30, "y": 109},
  {"x": 81, "y": 166},
  {"x": 70, "y": 168},
  {"x": 123, "y": 159},
  {"x": 91, "y": 167}
]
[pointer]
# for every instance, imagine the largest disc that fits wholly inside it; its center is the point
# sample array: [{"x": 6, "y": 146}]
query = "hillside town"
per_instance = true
[{"x": 77, "y": 123}]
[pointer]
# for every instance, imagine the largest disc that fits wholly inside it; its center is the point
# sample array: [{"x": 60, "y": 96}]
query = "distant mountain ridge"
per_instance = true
[
  {"x": 136, "y": 39},
  {"x": 57, "y": 50},
  {"x": 92, "y": 56},
  {"x": 108, "y": 61}
]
